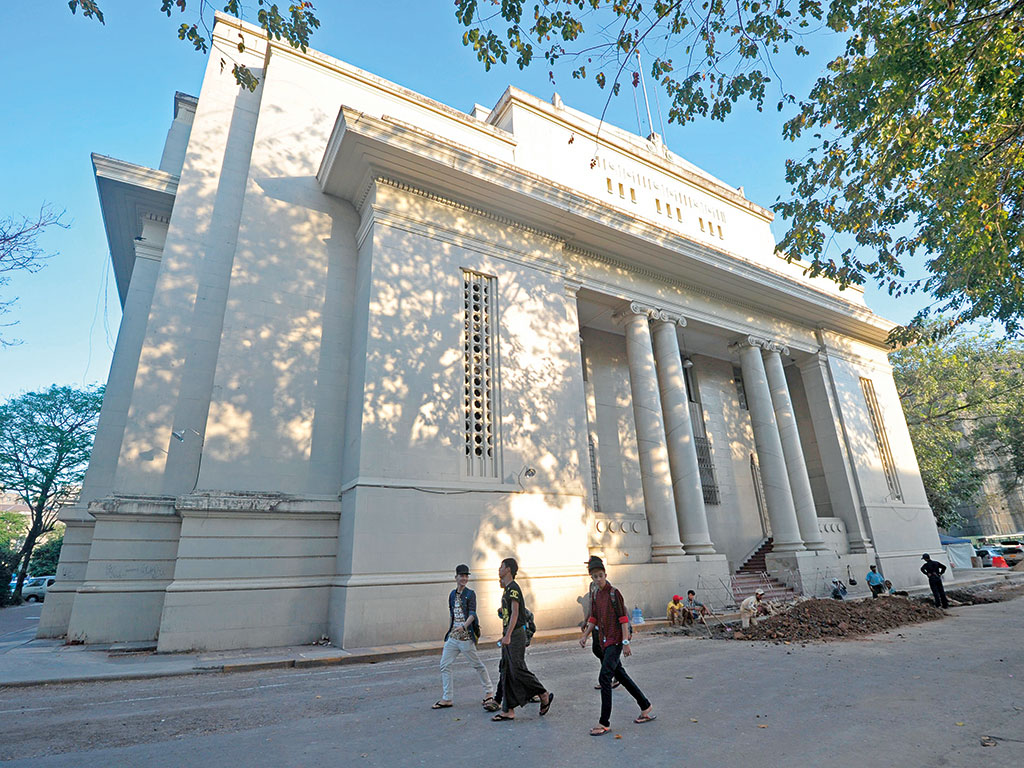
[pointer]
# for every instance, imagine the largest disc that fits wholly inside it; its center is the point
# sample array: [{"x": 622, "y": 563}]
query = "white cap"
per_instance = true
[{"x": 759, "y": 592}]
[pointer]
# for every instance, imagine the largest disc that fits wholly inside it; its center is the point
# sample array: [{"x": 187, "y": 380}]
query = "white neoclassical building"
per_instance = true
[{"x": 367, "y": 337}]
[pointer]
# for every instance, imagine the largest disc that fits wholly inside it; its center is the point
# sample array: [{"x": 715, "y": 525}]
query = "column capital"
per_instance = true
[
  {"x": 768, "y": 345},
  {"x": 634, "y": 308},
  {"x": 571, "y": 287}
]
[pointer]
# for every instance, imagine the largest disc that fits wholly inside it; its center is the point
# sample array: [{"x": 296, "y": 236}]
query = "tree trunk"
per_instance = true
[{"x": 25, "y": 555}]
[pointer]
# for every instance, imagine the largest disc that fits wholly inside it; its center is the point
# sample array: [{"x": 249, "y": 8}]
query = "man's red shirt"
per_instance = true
[{"x": 607, "y": 618}]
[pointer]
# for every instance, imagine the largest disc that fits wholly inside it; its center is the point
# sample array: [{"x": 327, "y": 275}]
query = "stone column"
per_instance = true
[
  {"x": 796, "y": 465},
  {"x": 682, "y": 451},
  {"x": 835, "y": 448},
  {"x": 777, "y": 491},
  {"x": 99, "y": 477},
  {"x": 655, "y": 474}
]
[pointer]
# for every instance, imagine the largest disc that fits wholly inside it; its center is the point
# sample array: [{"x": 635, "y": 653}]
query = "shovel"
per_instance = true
[{"x": 849, "y": 576}]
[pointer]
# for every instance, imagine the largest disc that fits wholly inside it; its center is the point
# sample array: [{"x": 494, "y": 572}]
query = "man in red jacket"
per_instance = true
[{"x": 608, "y": 615}]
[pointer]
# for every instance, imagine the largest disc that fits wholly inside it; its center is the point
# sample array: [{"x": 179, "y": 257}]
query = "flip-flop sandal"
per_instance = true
[
  {"x": 500, "y": 717},
  {"x": 599, "y": 730},
  {"x": 440, "y": 705},
  {"x": 491, "y": 705},
  {"x": 545, "y": 707},
  {"x": 645, "y": 719}
]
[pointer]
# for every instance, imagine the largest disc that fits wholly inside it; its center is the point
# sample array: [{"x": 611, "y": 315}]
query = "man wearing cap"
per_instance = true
[
  {"x": 608, "y": 613},
  {"x": 674, "y": 611},
  {"x": 463, "y": 633},
  {"x": 875, "y": 581},
  {"x": 934, "y": 571},
  {"x": 754, "y": 606}
]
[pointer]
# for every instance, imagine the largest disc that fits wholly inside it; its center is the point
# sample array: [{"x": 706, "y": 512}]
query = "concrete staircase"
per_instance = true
[{"x": 752, "y": 575}]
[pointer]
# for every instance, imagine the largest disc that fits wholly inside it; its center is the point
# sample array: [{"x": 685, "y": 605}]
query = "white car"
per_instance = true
[{"x": 34, "y": 589}]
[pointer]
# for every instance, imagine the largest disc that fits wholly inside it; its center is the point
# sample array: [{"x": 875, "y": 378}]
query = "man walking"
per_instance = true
[
  {"x": 934, "y": 571},
  {"x": 463, "y": 633},
  {"x": 518, "y": 683},
  {"x": 875, "y": 581},
  {"x": 609, "y": 615}
]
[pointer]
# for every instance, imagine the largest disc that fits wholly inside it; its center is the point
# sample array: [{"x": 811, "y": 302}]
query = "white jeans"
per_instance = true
[{"x": 452, "y": 648}]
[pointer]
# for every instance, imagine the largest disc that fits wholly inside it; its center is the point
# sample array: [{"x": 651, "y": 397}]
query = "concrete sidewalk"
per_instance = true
[{"x": 41, "y": 662}]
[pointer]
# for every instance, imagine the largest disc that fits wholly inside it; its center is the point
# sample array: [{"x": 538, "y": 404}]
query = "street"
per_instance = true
[
  {"x": 18, "y": 625},
  {"x": 920, "y": 696}
]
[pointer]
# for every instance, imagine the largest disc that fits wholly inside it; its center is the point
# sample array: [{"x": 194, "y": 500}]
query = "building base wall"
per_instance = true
[
  {"x": 74, "y": 559},
  {"x": 131, "y": 562},
  {"x": 252, "y": 570}
]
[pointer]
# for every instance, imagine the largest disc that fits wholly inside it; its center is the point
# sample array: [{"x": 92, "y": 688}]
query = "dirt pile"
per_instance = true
[{"x": 828, "y": 619}]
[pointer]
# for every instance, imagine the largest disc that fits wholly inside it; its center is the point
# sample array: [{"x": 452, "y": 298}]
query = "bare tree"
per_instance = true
[{"x": 20, "y": 249}]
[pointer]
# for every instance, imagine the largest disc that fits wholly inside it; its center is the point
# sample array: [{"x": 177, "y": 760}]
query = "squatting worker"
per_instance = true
[
  {"x": 462, "y": 636},
  {"x": 934, "y": 571},
  {"x": 694, "y": 607},
  {"x": 875, "y": 581},
  {"x": 519, "y": 684},
  {"x": 609, "y": 614},
  {"x": 674, "y": 610},
  {"x": 753, "y": 607}
]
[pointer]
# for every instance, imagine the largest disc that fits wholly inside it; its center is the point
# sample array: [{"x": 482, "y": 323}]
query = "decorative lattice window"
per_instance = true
[
  {"x": 884, "y": 451},
  {"x": 593, "y": 471},
  {"x": 480, "y": 387},
  {"x": 705, "y": 459}
]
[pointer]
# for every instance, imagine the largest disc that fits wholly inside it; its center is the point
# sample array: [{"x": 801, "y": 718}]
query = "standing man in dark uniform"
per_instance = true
[
  {"x": 934, "y": 572},
  {"x": 518, "y": 683}
]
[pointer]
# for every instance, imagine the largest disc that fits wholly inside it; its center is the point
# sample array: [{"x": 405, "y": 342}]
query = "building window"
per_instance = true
[
  {"x": 705, "y": 461},
  {"x": 762, "y": 507},
  {"x": 741, "y": 393},
  {"x": 480, "y": 388},
  {"x": 884, "y": 451},
  {"x": 593, "y": 471}
]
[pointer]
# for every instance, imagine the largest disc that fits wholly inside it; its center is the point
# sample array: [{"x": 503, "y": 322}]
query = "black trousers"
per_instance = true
[
  {"x": 518, "y": 684},
  {"x": 876, "y": 589},
  {"x": 938, "y": 592},
  {"x": 611, "y": 667}
]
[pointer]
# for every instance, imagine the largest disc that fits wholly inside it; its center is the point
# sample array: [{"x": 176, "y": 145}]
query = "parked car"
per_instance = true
[
  {"x": 34, "y": 589},
  {"x": 1012, "y": 551},
  {"x": 987, "y": 553}
]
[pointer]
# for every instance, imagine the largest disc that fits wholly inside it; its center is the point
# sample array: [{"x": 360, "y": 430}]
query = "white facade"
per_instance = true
[{"x": 333, "y": 286}]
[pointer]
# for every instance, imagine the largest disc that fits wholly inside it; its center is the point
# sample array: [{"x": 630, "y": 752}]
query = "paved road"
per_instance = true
[
  {"x": 893, "y": 699},
  {"x": 18, "y": 625}
]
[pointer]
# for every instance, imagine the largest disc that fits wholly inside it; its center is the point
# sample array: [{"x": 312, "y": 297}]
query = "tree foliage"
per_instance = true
[
  {"x": 963, "y": 395},
  {"x": 20, "y": 249},
  {"x": 295, "y": 25},
  {"x": 46, "y": 556},
  {"x": 917, "y": 129},
  {"x": 45, "y": 442}
]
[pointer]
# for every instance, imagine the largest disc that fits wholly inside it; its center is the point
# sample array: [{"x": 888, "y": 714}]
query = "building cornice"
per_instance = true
[{"x": 362, "y": 148}]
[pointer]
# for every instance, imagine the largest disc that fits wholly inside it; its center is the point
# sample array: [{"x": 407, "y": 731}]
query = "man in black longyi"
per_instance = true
[{"x": 518, "y": 683}]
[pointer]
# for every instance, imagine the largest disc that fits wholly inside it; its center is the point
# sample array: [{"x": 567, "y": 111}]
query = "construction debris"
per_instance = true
[{"x": 835, "y": 619}]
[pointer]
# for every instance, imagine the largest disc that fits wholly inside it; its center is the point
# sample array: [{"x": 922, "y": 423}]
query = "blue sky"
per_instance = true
[{"x": 72, "y": 87}]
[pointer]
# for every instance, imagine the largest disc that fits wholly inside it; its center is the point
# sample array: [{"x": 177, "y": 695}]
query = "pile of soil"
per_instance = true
[{"x": 831, "y": 619}]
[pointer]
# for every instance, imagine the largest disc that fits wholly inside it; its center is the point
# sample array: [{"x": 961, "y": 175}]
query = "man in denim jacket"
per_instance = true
[{"x": 463, "y": 632}]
